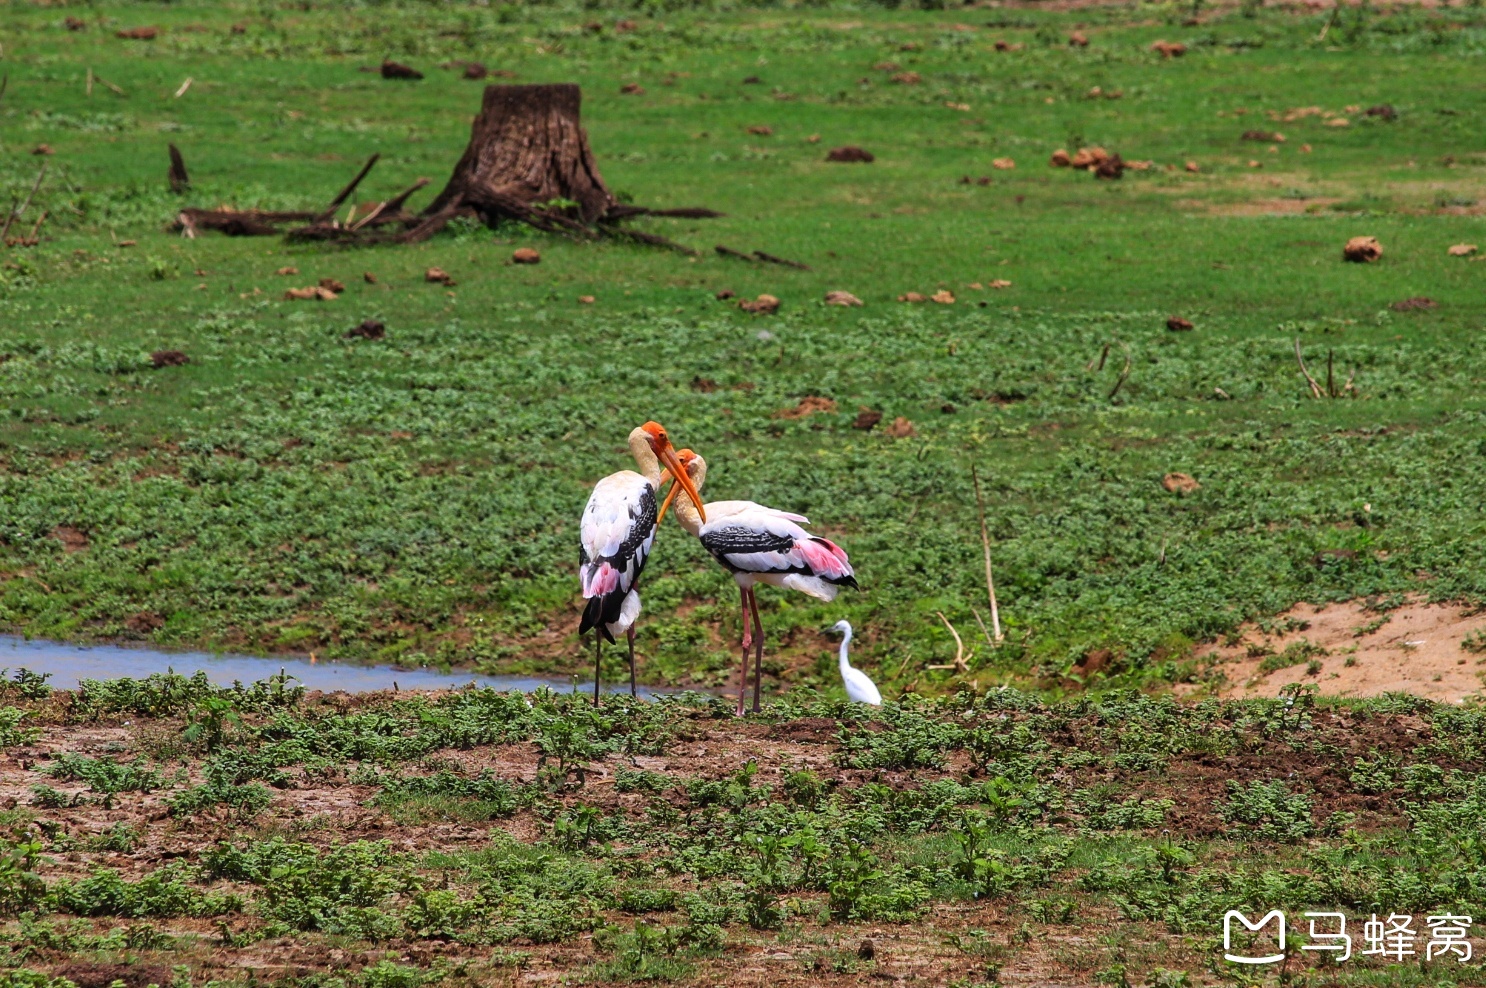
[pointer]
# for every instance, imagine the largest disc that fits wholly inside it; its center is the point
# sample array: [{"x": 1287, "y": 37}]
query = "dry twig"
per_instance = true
[
  {"x": 1315, "y": 388},
  {"x": 959, "y": 664},
  {"x": 985, "y": 543}
]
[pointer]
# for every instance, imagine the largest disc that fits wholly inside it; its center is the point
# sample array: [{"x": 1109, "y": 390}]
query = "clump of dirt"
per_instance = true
[
  {"x": 850, "y": 154},
  {"x": 396, "y": 70},
  {"x": 438, "y": 276},
  {"x": 138, "y": 33},
  {"x": 144, "y": 622},
  {"x": 761, "y": 130},
  {"x": 73, "y": 24},
  {"x": 314, "y": 293},
  {"x": 866, "y": 419},
  {"x": 906, "y": 78},
  {"x": 1111, "y": 167},
  {"x": 525, "y": 255},
  {"x": 370, "y": 329},
  {"x": 632, "y": 89},
  {"x": 1004, "y": 164},
  {"x": 331, "y": 285},
  {"x": 288, "y": 270},
  {"x": 808, "y": 406},
  {"x": 1383, "y": 111},
  {"x": 901, "y": 429},
  {"x": 1414, "y": 304},
  {"x": 1169, "y": 49},
  {"x": 1179, "y": 325},
  {"x": 1461, "y": 250},
  {"x": 1362, "y": 250},
  {"x": 1264, "y": 136},
  {"x": 168, "y": 358},
  {"x": 1060, "y": 159},
  {"x": 1180, "y": 483},
  {"x": 764, "y": 305},
  {"x": 1078, "y": 40},
  {"x": 1350, "y": 650},
  {"x": 842, "y": 298}
]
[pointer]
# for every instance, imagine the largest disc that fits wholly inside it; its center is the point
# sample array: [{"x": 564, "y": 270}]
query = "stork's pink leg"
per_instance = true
[
  {"x": 758, "y": 664},
  {"x": 631, "y": 635},
  {"x": 747, "y": 641}
]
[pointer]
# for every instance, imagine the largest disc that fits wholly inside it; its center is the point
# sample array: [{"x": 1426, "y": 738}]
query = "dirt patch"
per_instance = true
[
  {"x": 72, "y": 539},
  {"x": 1414, "y": 649},
  {"x": 808, "y": 406},
  {"x": 86, "y": 975}
]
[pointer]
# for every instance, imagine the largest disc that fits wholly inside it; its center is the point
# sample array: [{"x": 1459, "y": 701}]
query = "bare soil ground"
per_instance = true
[{"x": 1414, "y": 649}]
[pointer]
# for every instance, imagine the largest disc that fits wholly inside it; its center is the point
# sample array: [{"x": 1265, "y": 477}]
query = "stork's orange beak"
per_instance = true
[{"x": 682, "y": 481}]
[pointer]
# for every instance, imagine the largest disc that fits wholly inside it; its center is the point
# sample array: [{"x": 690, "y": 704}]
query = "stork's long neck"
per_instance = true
[
  {"x": 639, "y": 447},
  {"x": 845, "y": 663},
  {"x": 686, "y": 512}
]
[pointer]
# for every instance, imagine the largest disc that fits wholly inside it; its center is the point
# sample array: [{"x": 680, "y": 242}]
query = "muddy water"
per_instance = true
[{"x": 70, "y": 663}]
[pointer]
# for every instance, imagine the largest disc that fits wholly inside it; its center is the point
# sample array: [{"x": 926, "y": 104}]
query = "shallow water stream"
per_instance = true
[{"x": 68, "y": 664}]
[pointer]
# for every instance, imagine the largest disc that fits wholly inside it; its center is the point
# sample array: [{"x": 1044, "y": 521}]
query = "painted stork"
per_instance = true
[
  {"x": 859, "y": 686},
  {"x": 758, "y": 544},
  {"x": 615, "y": 537}
]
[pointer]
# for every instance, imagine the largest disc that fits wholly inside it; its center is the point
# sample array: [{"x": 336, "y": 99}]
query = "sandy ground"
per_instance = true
[{"x": 1417, "y": 649}]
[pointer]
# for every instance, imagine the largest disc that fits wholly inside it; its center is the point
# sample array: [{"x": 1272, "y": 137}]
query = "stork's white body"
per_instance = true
[
  {"x": 859, "y": 686},
  {"x": 617, "y": 532}
]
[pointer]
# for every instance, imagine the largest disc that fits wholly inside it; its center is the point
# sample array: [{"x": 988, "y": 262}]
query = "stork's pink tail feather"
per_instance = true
[{"x": 824, "y": 557}]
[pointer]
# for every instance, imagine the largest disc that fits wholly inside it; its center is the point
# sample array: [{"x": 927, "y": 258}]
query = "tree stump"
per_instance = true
[{"x": 527, "y": 148}]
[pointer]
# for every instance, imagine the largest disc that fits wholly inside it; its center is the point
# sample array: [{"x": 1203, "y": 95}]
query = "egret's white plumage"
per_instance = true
[
  {"x": 859, "y": 686},
  {"x": 759, "y": 544}
]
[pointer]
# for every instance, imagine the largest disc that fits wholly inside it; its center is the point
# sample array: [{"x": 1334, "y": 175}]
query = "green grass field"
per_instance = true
[{"x": 416, "y": 499}]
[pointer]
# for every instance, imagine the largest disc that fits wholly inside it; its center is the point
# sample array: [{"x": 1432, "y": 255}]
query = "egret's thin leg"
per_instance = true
[{"x": 758, "y": 663}]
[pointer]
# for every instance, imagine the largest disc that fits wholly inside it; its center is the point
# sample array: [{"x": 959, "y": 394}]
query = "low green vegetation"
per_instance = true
[
  {"x": 414, "y": 499},
  {"x": 403, "y": 840}
]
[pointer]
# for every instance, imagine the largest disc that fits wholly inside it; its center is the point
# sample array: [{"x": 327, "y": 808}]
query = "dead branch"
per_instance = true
[
  {"x": 4, "y": 85},
  {"x": 397, "y": 201},
  {"x": 727, "y": 251},
  {"x": 1315, "y": 388},
  {"x": 1103, "y": 356},
  {"x": 390, "y": 206},
  {"x": 985, "y": 542},
  {"x": 16, "y": 213},
  {"x": 35, "y": 237},
  {"x": 1125, "y": 373},
  {"x": 653, "y": 239},
  {"x": 346, "y": 192},
  {"x": 117, "y": 91},
  {"x": 180, "y": 181},
  {"x": 624, "y": 211},
  {"x": 1330, "y": 381},
  {"x": 9, "y": 218},
  {"x": 771, "y": 259},
  {"x": 958, "y": 664},
  {"x": 989, "y": 641}
]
